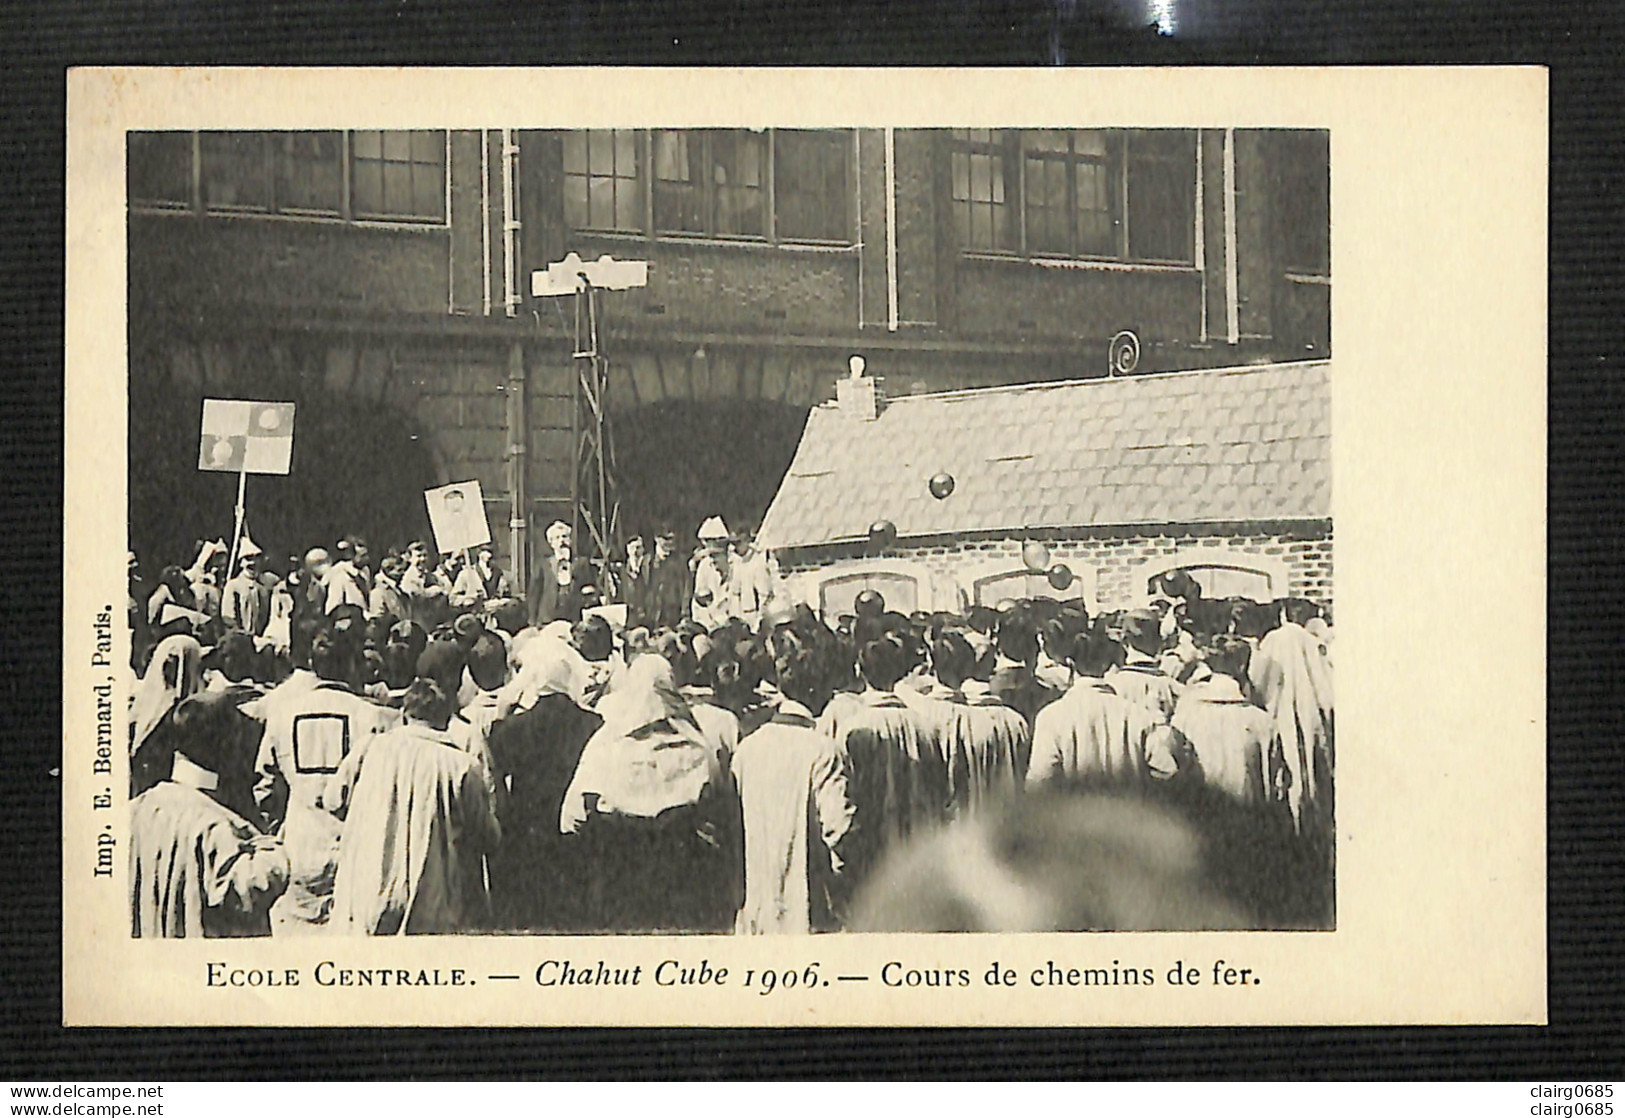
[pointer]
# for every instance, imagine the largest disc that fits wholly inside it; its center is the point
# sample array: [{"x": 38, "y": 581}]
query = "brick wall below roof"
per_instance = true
[{"x": 1117, "y": 561}]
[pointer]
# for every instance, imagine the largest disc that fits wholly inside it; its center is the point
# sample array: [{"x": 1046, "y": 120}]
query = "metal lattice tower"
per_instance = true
[{"x": 595, "y": 504}]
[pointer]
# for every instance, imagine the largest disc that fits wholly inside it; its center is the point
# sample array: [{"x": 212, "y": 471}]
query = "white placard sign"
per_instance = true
[{"x": 457, "y": 515}]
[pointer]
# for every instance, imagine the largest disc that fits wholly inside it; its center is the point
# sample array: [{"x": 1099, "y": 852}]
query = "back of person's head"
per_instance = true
[
  {"x": 1055, "y": 637},
  {"x": 488, "y": 662},
  {"x": 509, "y": 615},
  {"x": 1178, "y": 585},
  {"x": 206, "y": 728},
  {"x": 868, "y": 628},
  {"x": 679, "y": 653},
  {"x": 1229, "y": 656},
  {"x": 466, "y": 628},
  {"x": 796, "y": 669},
  {"x": 593, "y": 638},
  {"x": 400, "y": 665},
  {"x": 425, "y": 701},
  {"x": 348, "y": 624},
  {"x": 983, "y": 619},
  {"x": 869, "y": 603},
  {"x": 443, "y": 662},
  {"x": 1299, "y": 611},
  {"x": 331, "y": 657},
  {"x": 1017, "y": 639},
  {"x": 1208, "y": 617},
  {"x": 1142, "y": 631},
  {"x": 234, "y": 656},
  {"x": 1094, "y": 653},
  {"x": 411, "y": 635},
  {"x": 952, "y": 659},
  {"x": 883, "y": 662},
  {"x": 1044, "y": 610}
]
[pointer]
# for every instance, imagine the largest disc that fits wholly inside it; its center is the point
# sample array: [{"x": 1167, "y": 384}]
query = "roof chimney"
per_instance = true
[{"x": 858, "y": 395}]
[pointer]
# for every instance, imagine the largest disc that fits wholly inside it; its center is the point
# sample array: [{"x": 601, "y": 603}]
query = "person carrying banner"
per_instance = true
[{"x": 245, "y": 604}]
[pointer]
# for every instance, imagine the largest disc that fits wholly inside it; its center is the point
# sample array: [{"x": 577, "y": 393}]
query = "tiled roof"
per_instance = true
[{"x": 1220, "y": 445}]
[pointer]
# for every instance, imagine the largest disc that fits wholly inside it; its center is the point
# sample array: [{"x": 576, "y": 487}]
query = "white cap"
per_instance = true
[
  {"x": 713, "y": 529},
  {"x": 248, "y": 547}
]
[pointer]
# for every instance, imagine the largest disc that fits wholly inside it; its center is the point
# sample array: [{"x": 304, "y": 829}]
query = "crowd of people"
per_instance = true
[{"x": 676, "y": 744}]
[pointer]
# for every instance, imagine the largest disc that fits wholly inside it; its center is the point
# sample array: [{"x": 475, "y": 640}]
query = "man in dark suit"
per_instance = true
[
  {"x": 561, "y": 583},
  {"x": 666, "y": 596}
]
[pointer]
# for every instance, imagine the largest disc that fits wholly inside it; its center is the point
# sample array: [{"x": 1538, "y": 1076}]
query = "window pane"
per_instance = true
[
  {"x": 235, "y": 174},
  {"x": 398, "y": 145},
  {"x": 809, "y": 183},
  {"x": 1097, "y": 229},
  {"x": 601, "y": 202},
  {"x": 601, "y": 152},
  {"x": 309, "y": 171},
  {"x": 626, "y": 152},
  {"x": 1161, "y": 195},
  {"x": 981, "y": 185},
  {"x": 575, "y": 153},
  {"x": 575, "y": 201},
  {"x": 367, "y": 145},
  {"x": 428, "y": 147},
  {"x": 678, "y": 208},
  {"x": 628, "y": 209},
  {"x": 1044, "y": 140},
  {"x": 1090, "y": 144},
  {"x": 397, "y": 188},
  {"x": 160, "y": 167},
  {"x": 736, "y": 166},
  {"x": 428, "y": 193},
  {"x": 367, "y": 181},
  {"x": 671, "y": 156},
  {"x": 961, "y": 175}
]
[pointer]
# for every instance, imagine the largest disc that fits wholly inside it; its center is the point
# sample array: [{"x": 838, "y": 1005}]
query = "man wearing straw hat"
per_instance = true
[{"x": 713, "y": 577}]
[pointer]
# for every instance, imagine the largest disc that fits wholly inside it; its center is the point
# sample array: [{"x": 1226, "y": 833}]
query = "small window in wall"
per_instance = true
[
  {"x": 236, "y": 171},
  {"x": 161, "y": 169},
  {"x": 602, "y": 181},
  {"x": 1221, "y": 581},
  {"x": 809, "y": 185},
  {"x": 309, "y": 169},
  {"x": 1022, "y": 583},
  {"x": 836, "y": 595},
  {"x": 399, "y": 176}
]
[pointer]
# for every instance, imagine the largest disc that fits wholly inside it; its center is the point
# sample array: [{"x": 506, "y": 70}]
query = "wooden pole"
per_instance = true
[{"x": 237, "y": 532}]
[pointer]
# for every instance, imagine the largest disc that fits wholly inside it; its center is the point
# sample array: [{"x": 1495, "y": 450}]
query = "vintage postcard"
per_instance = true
[{"x": 805, "y": 547}]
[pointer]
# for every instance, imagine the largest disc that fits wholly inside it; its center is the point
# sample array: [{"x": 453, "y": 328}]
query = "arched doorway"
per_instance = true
[
  {"x": 679, "y": 461},
  {"x": 357, "y": 468}
]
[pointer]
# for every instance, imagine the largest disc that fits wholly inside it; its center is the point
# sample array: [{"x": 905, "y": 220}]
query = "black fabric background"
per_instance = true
[{"x": 1581, "y": 42}]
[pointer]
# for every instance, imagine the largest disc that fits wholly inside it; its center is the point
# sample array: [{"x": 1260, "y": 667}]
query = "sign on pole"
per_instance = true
[
  {"x": 457, "y": 515},
  {"x": 246, "y": 437}
]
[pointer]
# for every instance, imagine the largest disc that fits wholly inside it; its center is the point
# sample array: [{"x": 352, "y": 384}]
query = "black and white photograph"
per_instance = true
[
  {"x": 743, "y": 531},
  {"x": 803, "y": 548}
]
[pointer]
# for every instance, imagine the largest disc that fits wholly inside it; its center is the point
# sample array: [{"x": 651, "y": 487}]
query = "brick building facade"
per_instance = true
[{"x": 381, "y": 280}]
